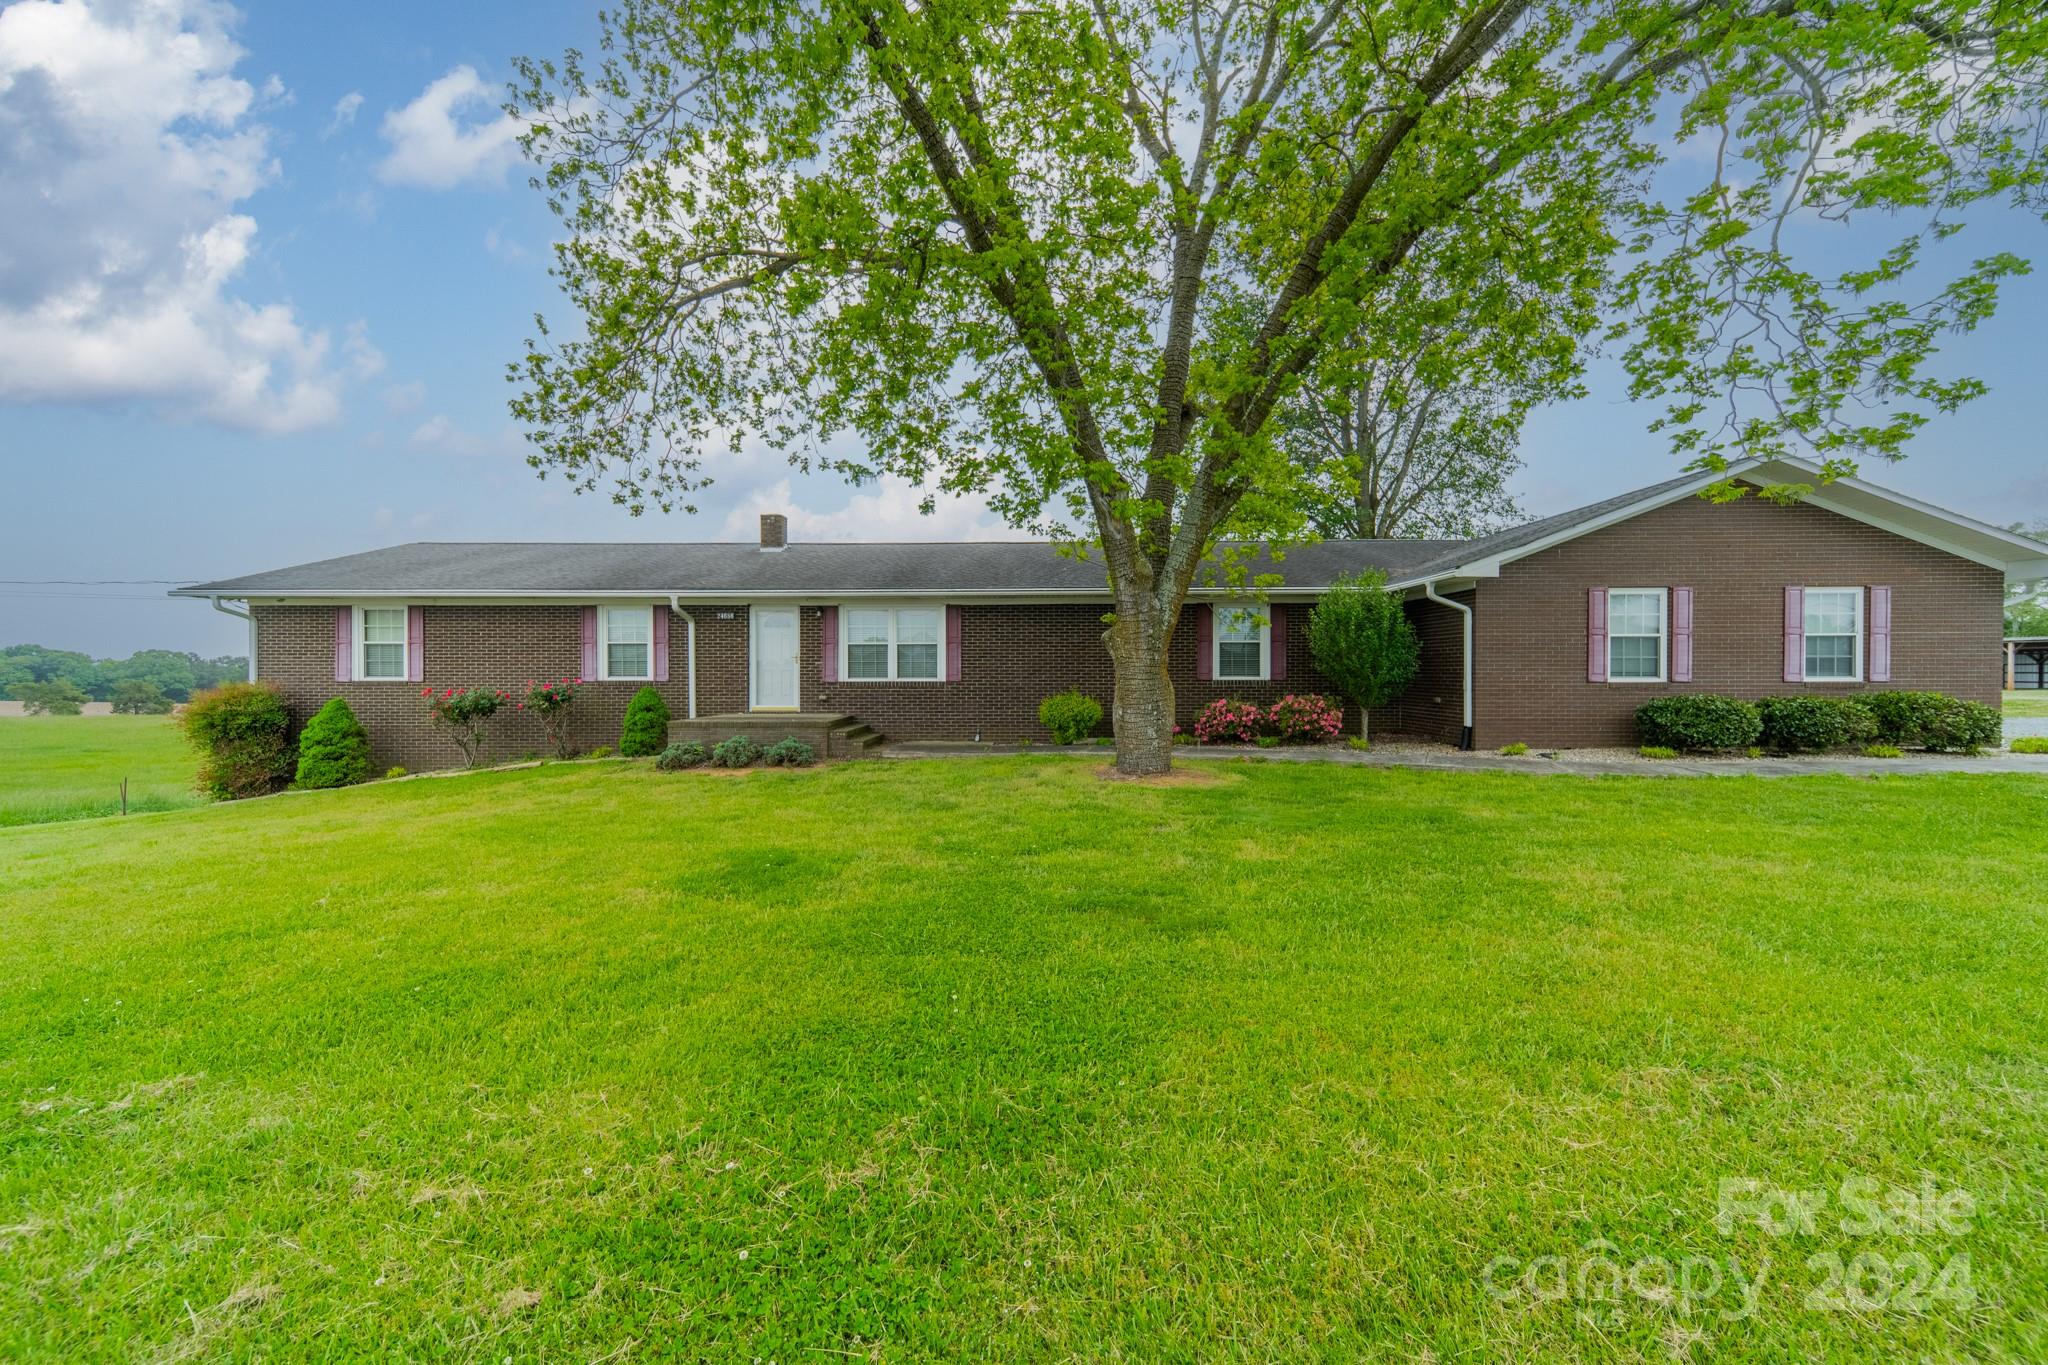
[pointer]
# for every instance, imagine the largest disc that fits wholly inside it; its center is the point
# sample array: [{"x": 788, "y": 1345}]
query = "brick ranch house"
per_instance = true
[{"x": 1552, "y": 633}]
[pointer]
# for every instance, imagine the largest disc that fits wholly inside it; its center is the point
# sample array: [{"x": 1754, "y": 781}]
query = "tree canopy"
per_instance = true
[
  {"x": 175, "y": 673},
  {"x": 1080, "y": 258}
]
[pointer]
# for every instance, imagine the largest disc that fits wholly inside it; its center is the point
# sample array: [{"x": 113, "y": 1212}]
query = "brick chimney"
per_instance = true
[{"x": 774, "y": 531}]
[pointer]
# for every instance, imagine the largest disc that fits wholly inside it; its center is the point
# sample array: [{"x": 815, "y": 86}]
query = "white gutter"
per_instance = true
[
  {"x": 1429, "y": 591},
  {"x": 690, "y": 647},
  {"x": 251, "y": 619}
]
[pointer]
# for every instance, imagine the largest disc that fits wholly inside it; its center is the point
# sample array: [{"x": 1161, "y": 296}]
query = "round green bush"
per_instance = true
[
  {"x": 1698, "y": 722},
  {"x": 688, "y": 754},
  {"x": 243, "y": 734},
  {"x": 1960, "y": 726},
  {"x": 1070, "y": 716},
  {"x": 646, "y": 729},
  {"x": 1812, "y": 725},
  {"x": 1902, "y": 718},
  {"x": 334, "y": 750},
  {"x": 737, "y": 752},
  {"x": 790, "y": 753}
]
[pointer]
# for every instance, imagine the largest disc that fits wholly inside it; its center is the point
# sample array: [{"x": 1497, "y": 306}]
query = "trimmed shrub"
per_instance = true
[
  {"x": 1902, "y": 717},
  {"x": 790, "y": 753},
  {"x": 646, "y": 728},
  {"x": 1307, "y": 718},
  {"x": 1959, "y": 726},
  {"x": 334, "y": 749},
  {"x": 243, "y": 734},
  {"x": 688, "y": 754},
  {"x": 1698, "y": 721},
  {"x": 1812, "y": 725},
  {"x": 140, "y": 697},
  {"x": 1070, "y": 717},
  {"x": 2029, "y": 744},
  {"x": 1224, "y": 721},
  {"x": 737, "y": 752}
]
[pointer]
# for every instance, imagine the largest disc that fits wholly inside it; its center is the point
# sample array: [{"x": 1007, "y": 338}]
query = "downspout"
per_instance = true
[
  {"x": 248, "y": 616},
  {"x": 675, "y": 604},
  {"x": 1429, "y": 591}
]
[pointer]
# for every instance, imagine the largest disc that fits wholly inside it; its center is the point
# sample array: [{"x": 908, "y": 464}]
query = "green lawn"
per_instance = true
[
  {"x": 70, "y": 767},
  {"x": 2026, "y": 703},
  {"x": 991, "y": 1060}
]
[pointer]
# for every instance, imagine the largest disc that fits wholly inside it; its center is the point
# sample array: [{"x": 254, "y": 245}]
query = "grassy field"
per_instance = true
[
  {"x": 2026, "y": 703},
  {"x": 70, "y": 767},
  {"x": 992, "y": 1060}
]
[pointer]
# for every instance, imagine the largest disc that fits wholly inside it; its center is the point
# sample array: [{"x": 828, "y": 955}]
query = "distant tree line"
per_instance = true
[{"x": 173, "y": 675}]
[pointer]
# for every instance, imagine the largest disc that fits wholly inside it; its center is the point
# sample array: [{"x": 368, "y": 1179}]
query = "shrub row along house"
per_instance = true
[{"x": 1552, "y": 633}]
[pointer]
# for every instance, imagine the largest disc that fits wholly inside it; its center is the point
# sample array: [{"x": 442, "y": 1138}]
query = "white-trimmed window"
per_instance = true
[
  {"x": 625, "y": 643},
  {"x": 891, "y": 644},
  {"x": 1834, "y": 634},
  {"x": 1244, "y": 645},
  {"x": 380, "y": 644},
  {"x": 1636, "y": 643}
]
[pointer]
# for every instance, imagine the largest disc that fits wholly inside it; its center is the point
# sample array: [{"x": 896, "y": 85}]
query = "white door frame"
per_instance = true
[{"x": 796, "y": 635}]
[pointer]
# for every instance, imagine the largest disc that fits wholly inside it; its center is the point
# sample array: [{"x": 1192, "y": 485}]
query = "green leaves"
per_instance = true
[{"x": 1083, "y": 258}]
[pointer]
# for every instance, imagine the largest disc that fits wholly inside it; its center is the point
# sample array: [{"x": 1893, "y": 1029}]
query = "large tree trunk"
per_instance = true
[{"x": 1143, "y": 709}]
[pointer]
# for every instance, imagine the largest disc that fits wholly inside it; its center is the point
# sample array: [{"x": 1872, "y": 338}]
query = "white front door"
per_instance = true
[{"x": 775, "y": 658}]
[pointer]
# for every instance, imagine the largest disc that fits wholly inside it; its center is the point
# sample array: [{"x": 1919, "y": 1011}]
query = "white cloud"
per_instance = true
[
  {"x": 889, "y": 510},
  {"x": 442, "y": 434},
  {"x": 449, "y": 136},
  {"x": 345, "y": 110},
  {"x": 400, "y": 399},
  {"x": 127, "y": 144}
]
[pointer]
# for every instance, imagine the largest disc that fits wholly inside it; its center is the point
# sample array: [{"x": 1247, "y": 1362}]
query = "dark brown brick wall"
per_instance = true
[
  {"x": 480, "y": 646},
  {"x": 1011, "y": 658},
  {"x": 1530, "y": 630}
]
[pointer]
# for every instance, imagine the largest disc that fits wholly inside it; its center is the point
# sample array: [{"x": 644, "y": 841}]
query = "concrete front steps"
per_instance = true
[{"x": 833, "y": 735}]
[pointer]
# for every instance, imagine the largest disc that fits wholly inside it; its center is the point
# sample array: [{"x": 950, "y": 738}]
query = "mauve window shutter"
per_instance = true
[
  {"x": 952, "y": 644},
  {"x": 1596, "y": 635},
  {"x": 416, "y": 643},
  {"x": 828, "y": 644},
  {"x": 1681, "y": 635},
  {"x": 344, "y": 644},
  {"x": 1276, "y": 638},
  {"x": 1880, "y": 635},
  {"x": 661, "y": 644},
  {"x": 1205, "y": 646},
  {"x": 589, "y": 672},
  {"x": 1795, "y": 635}
]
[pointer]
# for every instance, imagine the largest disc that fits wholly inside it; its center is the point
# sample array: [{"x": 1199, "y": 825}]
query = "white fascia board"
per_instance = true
[{"x": 443, "y": 597}]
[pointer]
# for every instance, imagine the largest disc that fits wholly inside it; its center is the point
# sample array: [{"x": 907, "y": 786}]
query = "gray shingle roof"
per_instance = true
[
  {"x": 434, "y": 569},
  {"x": 454, "y": 569}
]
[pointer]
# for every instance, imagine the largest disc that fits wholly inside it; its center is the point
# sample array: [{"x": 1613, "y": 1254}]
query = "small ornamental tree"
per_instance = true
[
  {"x": 1361, "y": 640},
  {"x": 140, "y": 697},
  {"x": 334, "y": 749},
  {"x": 465, "y": 712},
  {"x": 552, "y": 701},
  {"x": 646, "y": 729},
  {"x": 243, "y": 734}
]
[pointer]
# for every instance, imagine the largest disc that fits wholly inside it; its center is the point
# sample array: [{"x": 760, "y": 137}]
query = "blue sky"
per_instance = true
[{"x": 265, "y": 266}]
